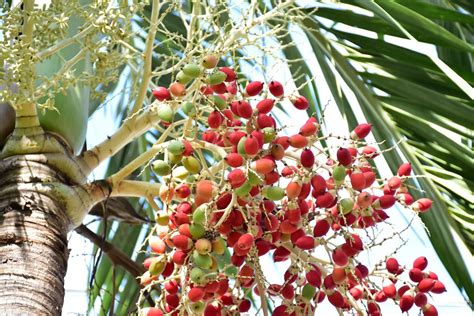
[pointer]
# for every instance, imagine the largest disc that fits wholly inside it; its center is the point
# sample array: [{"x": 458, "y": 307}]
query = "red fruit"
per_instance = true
[
  {"x": 358, "y": 181},
  {"x": 236, "y": 178},
  {"x": 314, "y": 278},
  {"x": 232, "y": 88},
  {"x": 244, "y": 242},
  {"x": 305, "y": 243},
  {"x": 390, "y": 290},
  {"x": 177, "y": 89},
  {"x": 298, "y": 141},
  {"x": 392, "y": 265},
  {"x": 265, "y": 105},
  {"x": 394, "y": 183},
  {"x": 404, "y": 169},
  {"x": 416, "y": 275},
  {"x": 259, "y": 136},
  {"x": 245, "y": 276},
  {"x": 234, "y": 160},
  {"x": 325, "y": 200},
  {"x": 307, "y": 158},
  {"x": 421, "y": 299},
  {"x": 309, "y": 129},
  {"x": 172, "y": 287},
  {"x": 219, "y": 88},
  {"x": 179, "y": 257},
  {"x": 380, "y": 297},
  {"x": 172, "y": 300},
  {"x": 426, "y": 285},
  {"x": 319, "y": 184},
  {"x": 387, "y": 201},
  {"x": 263, "y": 247},
  {"x": 430, "y": 310},
  {"x": 254, "y": 88},
  {"x": 215, "y": 119},
  {"x": 196, "y": 294},
  {"x": 157, "y": 244},
  {"x": 356, "y": 292},
  {"x": 244, "y": 306},
  {"x": 212, "y": 310},
  {"x": 263, "y": 166},
  {"x": 182, "y": 242},
  {"x": 339, "y": 257},
  {"x": 339, "y": 275},
  {"x": 344, "y": 156},
  {"x": 161, "y": 93},
  {"x": 370, "y": 152},
  {"x": 182, "y": 191},
  {"x": 244, "y": 109},
  {"x": 422, "y": 205},
  {"x": 364, "y": 199},
  {"x": 288, "y": 292},
  {"x": 361, "y": 131},
  {"x": 276, "y": 88},
  {"x": 293, "y": 190},
  {"x": 362, "y": 271},
  {"x": 188, "y": 148},
  {"x": 301, "y": 103},
  {"x": 231, "y": 76},
  {"x": 336, "y": 299},
  {"x": 321, "y": 228},
  {"x": 280, "y": 311},
  {"x": 281, "y": 254},
  {"x": 251, "y": 146},
  {"x": 406, "y": 302},
  {"x": 152, "y": 311},
  {"x": 420, "y": 263},
  {"x": 264, "y": 120},
  {"x": 438, "y": 287}
]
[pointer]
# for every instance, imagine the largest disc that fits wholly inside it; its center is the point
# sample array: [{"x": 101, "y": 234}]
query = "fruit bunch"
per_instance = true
[{"x": 268, "y": 193}]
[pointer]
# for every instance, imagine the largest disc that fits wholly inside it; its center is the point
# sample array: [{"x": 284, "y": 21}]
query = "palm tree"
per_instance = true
[{"x": 87, "y": 55}]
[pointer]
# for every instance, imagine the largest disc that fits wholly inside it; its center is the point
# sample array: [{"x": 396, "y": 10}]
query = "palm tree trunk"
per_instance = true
[{"x": 33, "y": 240}]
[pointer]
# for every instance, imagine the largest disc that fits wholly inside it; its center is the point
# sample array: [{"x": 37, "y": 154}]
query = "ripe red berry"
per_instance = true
[
  {"x": 321, "y": 228},
  {"x": 182, "y": 242},
  {"x": 420, "y": 263},
  {"x": 426, "y": 285},
  {"x": 293, "y": 190},
  {"x": 236, "y": 178},
  {"x": 263, "y": 166},
  {"x": 319, "y": 184},
  {"x": 177, "y": 89},
  {"x": 276, "y": 88},
  {"x": 361, "y": 131},
  {"x": 305, "y": 243},
  {"x": 231, "y": 75},
  {"x": 438, "y": 287},
  {"x": 244, "y": 109},
  {"x": 394, "y": 183},
  {"x": 251, "y": 146},
  {"x": 196, "y": 294},
  {"x": 244, "y": 242},
  {"x": 358, "y": 181},
  {"x": 421, "y": 299},
  {"x": 392, "y": 265},
  {"x": 390, "y": 290},
  {"x": 430, "y": 310},
  {"x": 336, "y": 299},
  {"x": 234, "y": 160},
  {"x": 265, "y": 106},
  {"x": 344, "y": 156},
  {"x": 215, "y": 119},
  {"x": 386, "y": 201},
  {"x": 301, "y": 103},
  {"x": 422, "y": 205},
  {"x": 416, "y": 275},
  {"x": 298, "y": 141},
  {"x": 406, "y": 302},
  {"x": 309, "y": 129},
  {"x": 161, "y": 93},
  {"x": 254, "y": 88},
  {"x": 404, "y": 169},
  {"x": 340, "y": 258},
  {"x": 307, "y": 158}
]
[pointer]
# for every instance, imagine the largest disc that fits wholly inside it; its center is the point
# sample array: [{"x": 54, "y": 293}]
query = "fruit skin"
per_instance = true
[
  {"x": 361, "y": 131},
  {"x": 161, "y": 93},
  {"x": 217, "y": 78},
  {"x": 265, "y": 106},
  {"x": 300, "y": 102},
  {"x": 192, "y": 70},
  {"x": 420, "y": 263},
  {"x": 392, "y": 265},
  {"x": 161, "y": 168},
  {"x": 230, "y": 73},
  {"x": 276, "y": 88},
  {"x": 254, "y": 88},
  {"x": 210, "y": 61},
  {"x": 176, "y": 147},
  {"x": 307, "y": 158},
  {"x": 404, "y": 169}
]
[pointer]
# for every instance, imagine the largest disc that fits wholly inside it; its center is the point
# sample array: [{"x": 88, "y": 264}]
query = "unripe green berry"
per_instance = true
[
  {"x": 202, "y": 261},
  {"x": 308, "y": 292},
  {"x": 244, "y": 189},
  {"x": 197, "y": 275},
  {"x": 188, "y": 108},
  {"x": 347, "y": 204},
  {"x": 199, "y": 214},
  {"x": 273, "y": 193},
  {"x": 192, "y": 70},
  {"x": 181, "y": 77},
  {"x": 165, "y": 112},
  {"x": 339, "y": 174},
  {"x": 218, "y": 102},
  {"x": 217, "y": 78},
  {"x": 161, "y": 168},
  {"x": 191, "y": 164},
  {"x": 176, "y": 147},
  {"x": 197, "y": 231}
]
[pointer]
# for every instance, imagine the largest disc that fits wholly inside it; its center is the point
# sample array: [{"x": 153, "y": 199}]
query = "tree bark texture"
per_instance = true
[{"x": 33, "y": 239}]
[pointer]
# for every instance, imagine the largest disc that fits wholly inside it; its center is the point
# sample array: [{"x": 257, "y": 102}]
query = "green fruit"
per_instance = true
[
  {"x": 192, "y": 70},
  {"x": 157, "y": 266},
  {"x": 197, "y": 231},
  {"x": 190, "y": 179},
  {"x": 183, "y": 78},
  {"x": 218, "y": 102},
  {"x": 161, "y": 168},
  {"x": 339, "y": 174},
  {"x": 241, "y": 147},
  {"x": 188, "y": 108},
  {"x": 176, "y": 147},
  {"x": 202, "y": 261},
  {"x": 165, "y": 112},
  {"x": 191, "y": 164},
  {"x": 174, "y": 159},
  {"x": 244, "y": 189},
  {"x": 231, "y": 271},
  {"x": 308, "y": 292},
  {"x": 197, "y": 307},
  {"x": 162, "y": 218},
  {"x": 216, "y": 78},
  {"x": 273, "y": 193},
  {"x": 197, "y": 275},
  {"x": 268, "y": 134},
  {"x": 347, "y": 204},
  {"x": 254, "y": 178},
  {"x": 199, "y": 215}
]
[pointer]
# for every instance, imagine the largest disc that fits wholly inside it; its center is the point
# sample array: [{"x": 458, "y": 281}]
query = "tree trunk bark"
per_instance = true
[{"x": 33, "y": 239}]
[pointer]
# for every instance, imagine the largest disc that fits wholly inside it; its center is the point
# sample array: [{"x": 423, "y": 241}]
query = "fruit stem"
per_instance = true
[{"x": 147, "y": 58}]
